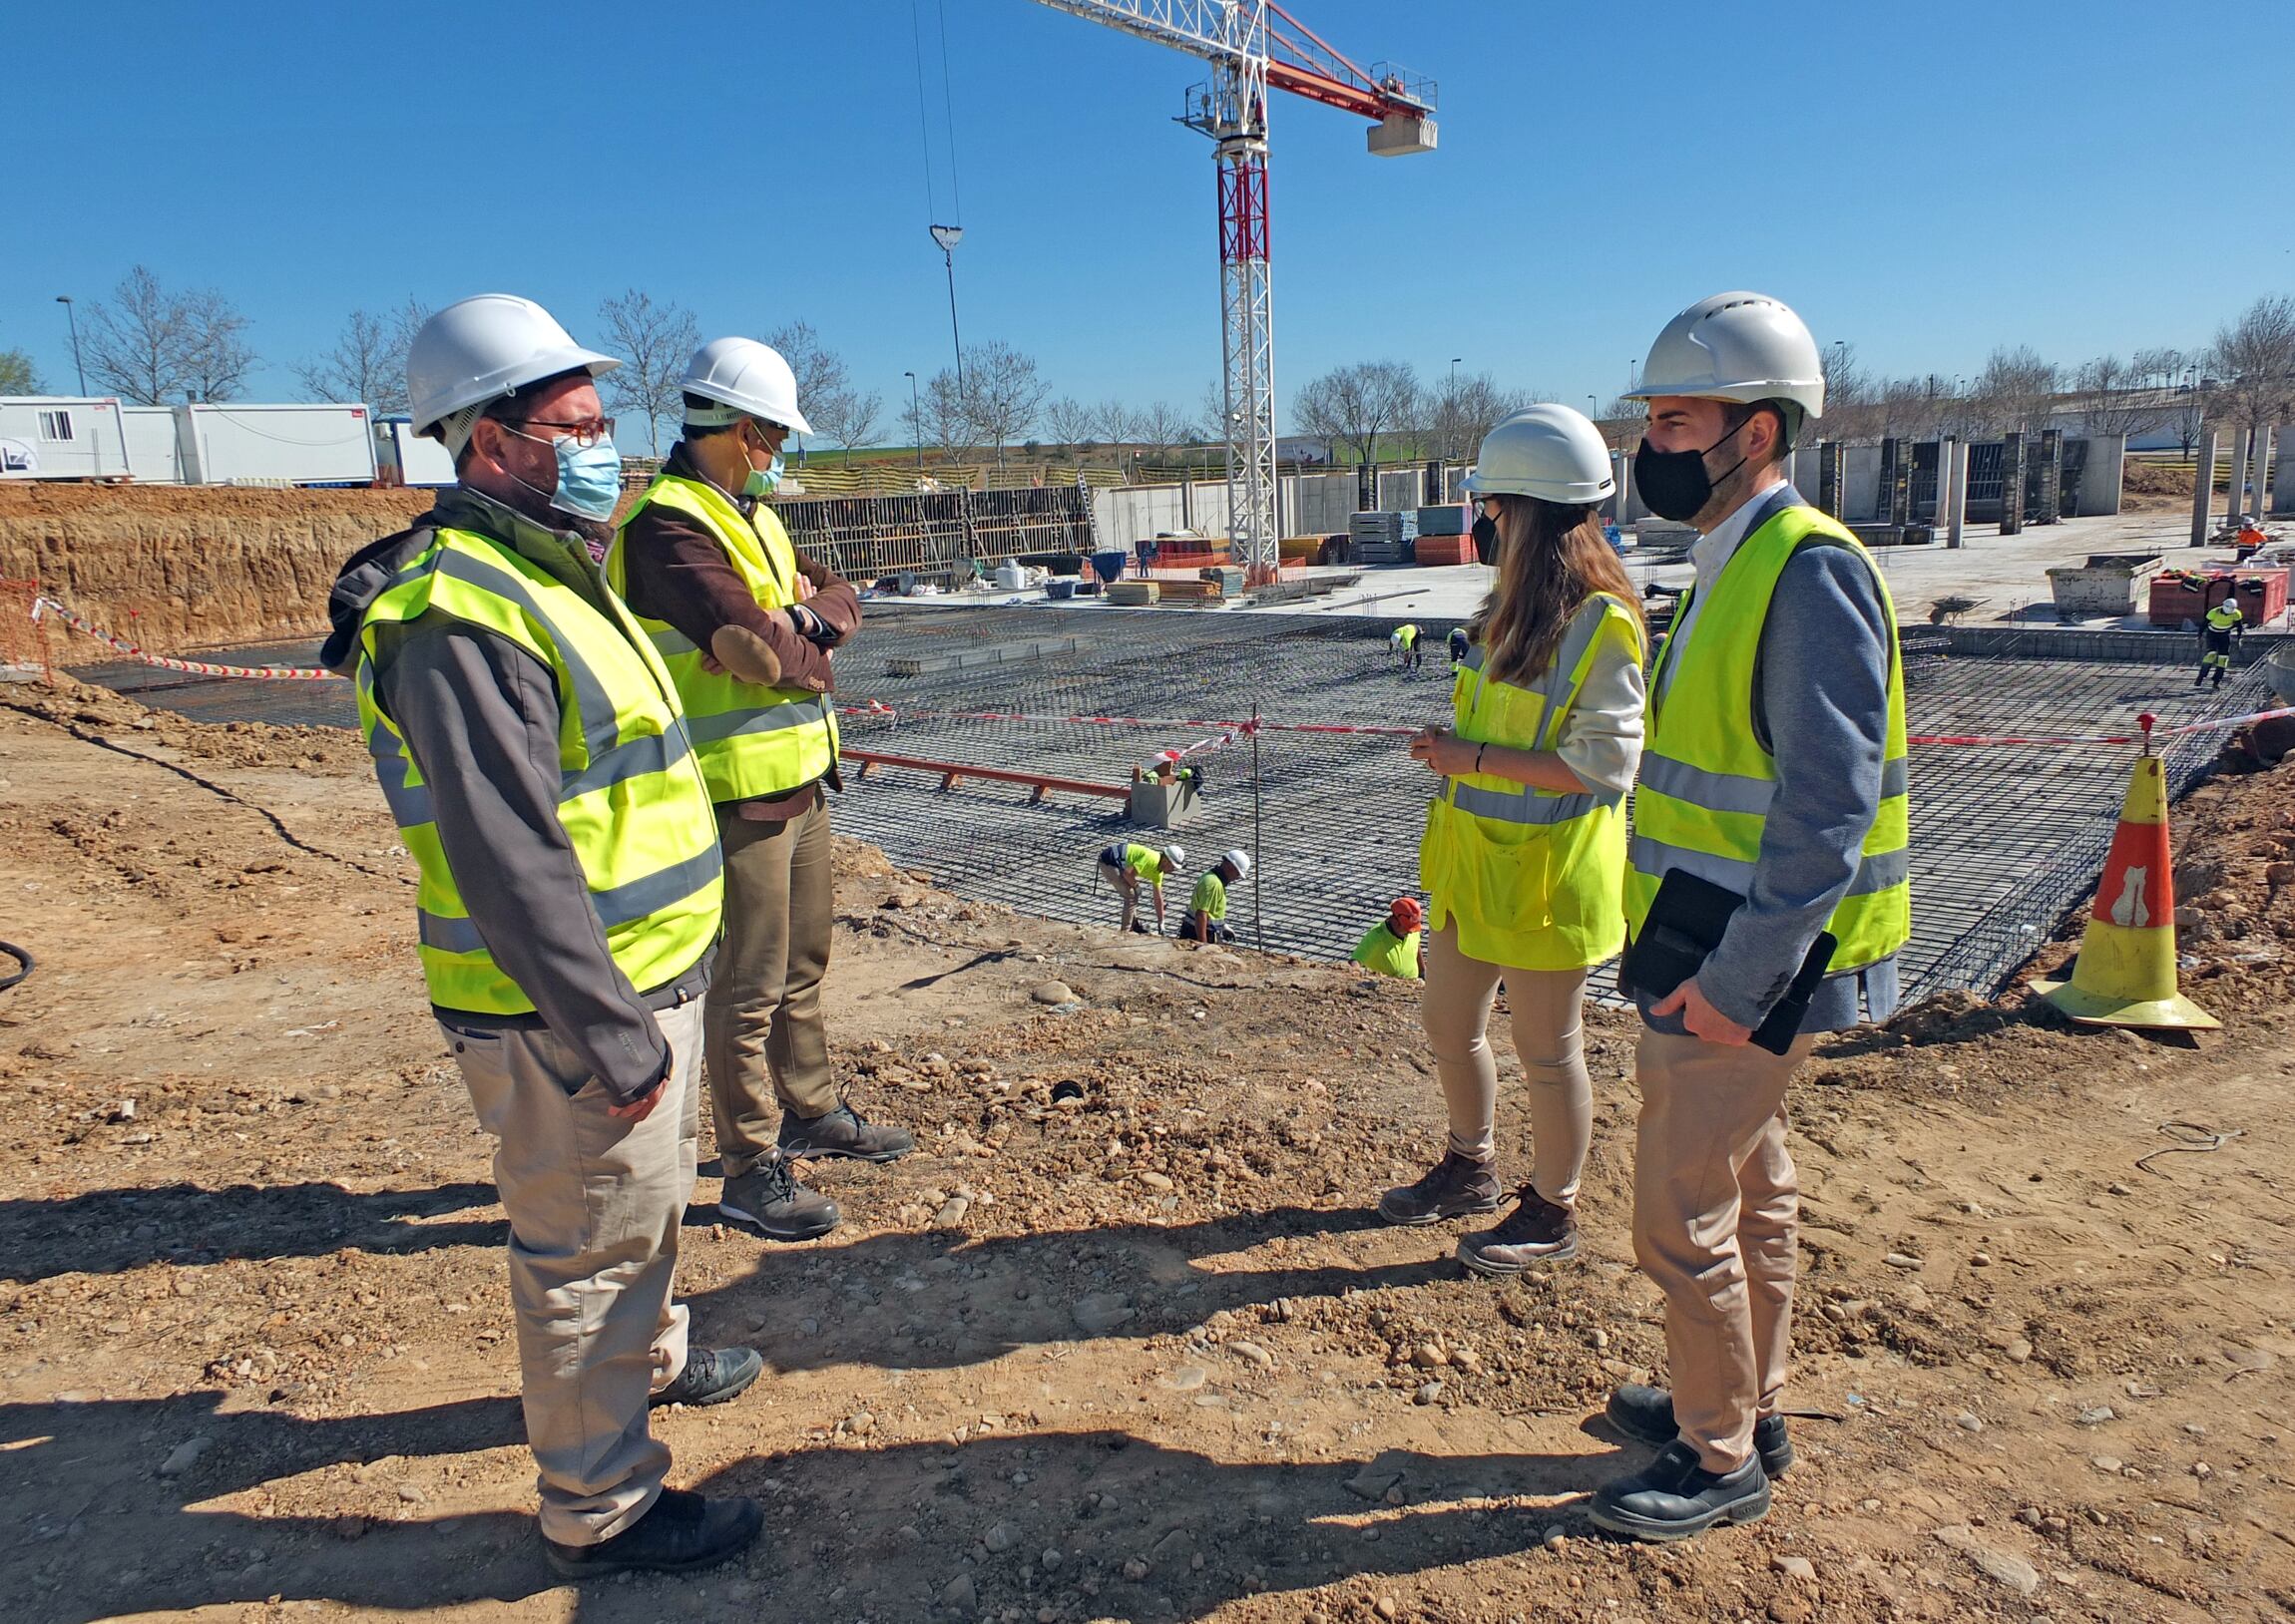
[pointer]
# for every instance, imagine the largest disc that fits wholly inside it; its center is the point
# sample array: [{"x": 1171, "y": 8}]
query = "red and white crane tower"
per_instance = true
[{"x": 1255, "y": 46}]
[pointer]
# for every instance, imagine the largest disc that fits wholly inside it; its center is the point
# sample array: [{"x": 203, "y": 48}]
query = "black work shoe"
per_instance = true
[
  {"x": 1536, "y": 1231},
  {"x": 769, "y": 1199},
  {"x": 842, "y": 1132},
  {"x": 710, "y": 1377},
  {"x": 1645, "y": 1415},
  {"x": 678, "y": 1533},
  {"x": 1453, "y": 1188},
  {"x": 1674, "y": 1497}
]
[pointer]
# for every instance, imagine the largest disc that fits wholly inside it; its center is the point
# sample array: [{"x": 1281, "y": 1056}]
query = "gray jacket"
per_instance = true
[
  {"x": 1821, "y": 707},
  {"x": 480, "y": 715}
]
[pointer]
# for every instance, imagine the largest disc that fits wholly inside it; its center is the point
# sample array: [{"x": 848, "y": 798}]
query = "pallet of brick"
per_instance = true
[{"x": 1437, "y": 550}]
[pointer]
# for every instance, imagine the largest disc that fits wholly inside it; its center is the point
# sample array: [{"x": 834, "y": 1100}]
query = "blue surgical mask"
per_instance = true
[
  {"x": 763, "y": 481},
  {"x": 589, "y": 479}
]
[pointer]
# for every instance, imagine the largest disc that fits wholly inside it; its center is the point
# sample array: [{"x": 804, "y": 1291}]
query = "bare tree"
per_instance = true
[
  {"x": 1006, "y": 393},
  {"x": 2253, "y": 359},
  {"x": 948, "y": 420},
  {"x": 1845, "y": 382},
  {"x": 2013, "y": 393},
  {"x": 18, "y": 376},
  {"x": 847, "y": 418},
  {"x": 821, "y": 370},
  {"x": 1069, "y": 421},
  {"x": 2115, "y": 398},
  {"x": 2161, "y": 367},
  {"x": 1111, "y": 420},
  {"x": 148, "y": 345},
  {"x": 369, "y": 361},
  {"x": 1460, "y": 409},
  {"x": 653, "y": 341},
  {"x": 1164, "y": 428},
  {"x": 2189, "y": 417},
  {"x": 1357, "y": 404}
]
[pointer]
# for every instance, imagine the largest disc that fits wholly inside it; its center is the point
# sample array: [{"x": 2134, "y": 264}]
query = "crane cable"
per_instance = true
[{"x": 924, "y": 118}]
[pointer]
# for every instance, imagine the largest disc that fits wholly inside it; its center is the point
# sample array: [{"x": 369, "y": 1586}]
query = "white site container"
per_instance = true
[
  {"x": 276, "y": 445},
  {"x": 403, "y": 457},
  {"x": 62, "y": 436},
  {"x": 154, "y": 455}
]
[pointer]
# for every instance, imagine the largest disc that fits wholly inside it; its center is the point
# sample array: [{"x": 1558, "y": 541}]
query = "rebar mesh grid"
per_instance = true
[{"x": 2004, "y": 837}]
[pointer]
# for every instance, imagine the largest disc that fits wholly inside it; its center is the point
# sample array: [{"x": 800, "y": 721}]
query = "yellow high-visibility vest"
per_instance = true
[
  {"x": 754, "y": 742},
  {"x": 631, "y": 796}
]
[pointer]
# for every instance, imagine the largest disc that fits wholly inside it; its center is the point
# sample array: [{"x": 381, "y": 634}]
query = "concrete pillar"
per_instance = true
[
  {"x": 2233, "y": 506},
  {"x": 2012, "y": 485},
  {"x": 2261, "y": 474},
  {"x": 2051, "y": 477},
  {"x": 1831, "y": 463},
  {"x": 2203, "y": 486},
  {"x": 1953, "y": 488},
  {"x": 2283, "y": 473}
]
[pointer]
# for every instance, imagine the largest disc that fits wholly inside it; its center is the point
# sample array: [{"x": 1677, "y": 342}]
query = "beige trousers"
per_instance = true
[
  {"x": 595, "y": 1202},
  {"x": 767, "y": 1044},
  {"x": 1455, "y": 1008},
  {"x": 1127, "y": 886},
  {"x": 1716, "y": 1214}
]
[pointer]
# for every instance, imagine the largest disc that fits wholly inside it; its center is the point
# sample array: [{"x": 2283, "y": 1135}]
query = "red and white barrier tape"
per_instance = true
[
  {"x": 196, "y": 667},
  {"x": 1232, "y": 730}
]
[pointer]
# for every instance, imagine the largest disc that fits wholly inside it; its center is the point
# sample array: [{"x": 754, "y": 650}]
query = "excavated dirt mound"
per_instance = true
[
  {"x": 1122, "y": 1340},
  {"x": 177, "y": 569}
]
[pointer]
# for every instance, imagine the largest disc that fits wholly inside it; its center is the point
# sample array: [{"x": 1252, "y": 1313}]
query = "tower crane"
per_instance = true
[{"x": 1255, "y": 46}]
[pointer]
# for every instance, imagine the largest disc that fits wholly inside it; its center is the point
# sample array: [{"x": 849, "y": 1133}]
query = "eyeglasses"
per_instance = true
[{"x": 584, "y": 432}]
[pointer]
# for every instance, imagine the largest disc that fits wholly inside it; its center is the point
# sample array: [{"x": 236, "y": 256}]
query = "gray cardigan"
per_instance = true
[{"x": 1821, "y": 704}]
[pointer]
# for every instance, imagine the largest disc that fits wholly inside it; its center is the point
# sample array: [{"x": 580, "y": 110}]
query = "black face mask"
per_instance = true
[
  {"x": 1484, "y": 539},
  {"x": 1674, "y": 483}
]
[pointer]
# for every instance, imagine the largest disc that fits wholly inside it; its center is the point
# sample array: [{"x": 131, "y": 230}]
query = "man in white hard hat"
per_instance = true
[
  {"x": 535, "y": 759},
  {"x": 1768, "y": 869},
  {"x": 747, "y": 626},
  {"x": 1206, "y": 917}
]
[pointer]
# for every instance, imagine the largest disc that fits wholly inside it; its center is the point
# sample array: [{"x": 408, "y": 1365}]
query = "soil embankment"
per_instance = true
[{"x": 186, "y": 569}]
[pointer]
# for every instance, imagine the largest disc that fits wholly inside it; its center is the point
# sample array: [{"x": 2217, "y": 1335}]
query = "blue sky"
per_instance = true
[{"x": 1925, "y": 184}]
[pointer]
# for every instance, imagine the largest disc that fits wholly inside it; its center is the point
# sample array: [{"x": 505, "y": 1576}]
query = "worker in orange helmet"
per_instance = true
[{"x": 1391, "y": 947}]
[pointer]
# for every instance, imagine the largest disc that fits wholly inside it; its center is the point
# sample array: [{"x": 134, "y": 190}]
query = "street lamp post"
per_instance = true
[
  {"x": 915, "y": 420},
  {"x": 73, "y": 321}
]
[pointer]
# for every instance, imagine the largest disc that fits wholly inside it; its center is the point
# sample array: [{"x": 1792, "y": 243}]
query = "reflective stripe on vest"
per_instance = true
[
  {"x": 630, "y": 796},
  {"x": 1706, "y": 783},
  {"x": 1529, "y": 877},
  {"x": 754, "y": 742}
]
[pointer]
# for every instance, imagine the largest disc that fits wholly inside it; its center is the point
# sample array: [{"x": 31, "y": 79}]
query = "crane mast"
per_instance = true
[{"x": 1254, "y": 46}]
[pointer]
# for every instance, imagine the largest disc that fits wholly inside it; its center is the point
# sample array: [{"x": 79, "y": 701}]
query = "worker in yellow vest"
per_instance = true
[
  {"x": 1525, "y": 840},
  {"x": 1127, "y": 866},
  {"x": 1403, "y": 642},
  {"x": 2224, "y": 621},
  {"x": 1395, "y": 945},
  {"x": 1766, "y": 879},
  {"x": 748, "y": 629},
  {"x": 534, "y": 755}
]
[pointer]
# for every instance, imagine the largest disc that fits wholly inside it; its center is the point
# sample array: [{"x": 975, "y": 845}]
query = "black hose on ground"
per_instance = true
[{"x": 23, "y": 961}]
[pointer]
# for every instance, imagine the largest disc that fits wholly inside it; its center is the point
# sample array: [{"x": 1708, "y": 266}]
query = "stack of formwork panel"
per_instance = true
[
  {"x": 1384, "y": 536},
  {"x": 1447, "y": 520}
]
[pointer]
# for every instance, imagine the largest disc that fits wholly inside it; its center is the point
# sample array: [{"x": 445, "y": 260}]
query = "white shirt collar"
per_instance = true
[{"x": 1713, "y": 551}]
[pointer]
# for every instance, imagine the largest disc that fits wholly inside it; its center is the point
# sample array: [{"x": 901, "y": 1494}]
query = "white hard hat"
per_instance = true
[
  {"x": 1736, "y": 346},
  {"x": 1549, "y": 452},
  {"x": 481, "y": 349},
  {"x": 747, "y": 379},
  {"x": 1241, "y": 860},
  {"x": 1174, "y": 858}
]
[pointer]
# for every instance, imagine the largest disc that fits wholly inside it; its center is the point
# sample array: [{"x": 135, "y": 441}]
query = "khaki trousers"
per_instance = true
[
  {"x": 767, "y": 1044},
  {"x": 1716, "y": 1214},
  {"x": 1127, "y": 885},
  {"x": 1455, "y": 1008},
  {"x": 595, "y": 1202}
]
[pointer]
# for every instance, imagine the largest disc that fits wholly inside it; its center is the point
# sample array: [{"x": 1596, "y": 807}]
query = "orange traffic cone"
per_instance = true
[{"x": 2126, "y": 972}]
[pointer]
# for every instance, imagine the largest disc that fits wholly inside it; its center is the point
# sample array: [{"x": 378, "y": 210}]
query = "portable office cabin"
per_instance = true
[
  {"x": 153, "y": 456},
  {"x": 62, "y": 436},
  {"x": 406, "y": 458},
  {"x": 276, "y": 445}
]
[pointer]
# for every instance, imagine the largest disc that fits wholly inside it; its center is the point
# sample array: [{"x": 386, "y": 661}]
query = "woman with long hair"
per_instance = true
[{"x": 1524, "y": 858}]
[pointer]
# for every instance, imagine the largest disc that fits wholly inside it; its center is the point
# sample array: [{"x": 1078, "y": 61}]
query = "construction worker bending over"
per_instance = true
[
  {"x": 1125, "y": 865},
  {"x": 1460, "y": 643},
  {"x": 1206, "y": 915},
  {"x": 746, "y": 627},
  {"x": 532, "y": 754},
  {"x": 1525, "y": 840},
  {"x": 1403, "y": 642},
  {"x": 1392, "y": 947},
  {"x": 2224, "y": 621},
  {"x": 1774, "y": 773}
]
